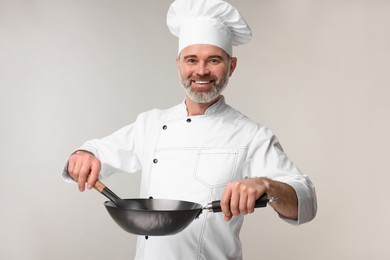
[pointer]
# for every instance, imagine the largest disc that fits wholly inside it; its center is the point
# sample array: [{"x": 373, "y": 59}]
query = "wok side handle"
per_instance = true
[{"x": 260, "y": 203}]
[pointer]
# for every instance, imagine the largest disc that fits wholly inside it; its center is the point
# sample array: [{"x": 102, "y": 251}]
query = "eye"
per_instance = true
[
  {"x": 190, "y": 61},
  {"x": 214, "y": 61}
]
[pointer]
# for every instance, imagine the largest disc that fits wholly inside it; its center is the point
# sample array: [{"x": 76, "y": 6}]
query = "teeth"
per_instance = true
[{"x": 202, "y": 82}]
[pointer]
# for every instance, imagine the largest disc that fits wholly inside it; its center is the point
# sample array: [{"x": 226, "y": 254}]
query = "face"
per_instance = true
[{"x": 204, "y": 71}]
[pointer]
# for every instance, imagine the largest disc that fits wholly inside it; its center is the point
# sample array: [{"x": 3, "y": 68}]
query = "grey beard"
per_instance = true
[{"x": 204, "y": 96}]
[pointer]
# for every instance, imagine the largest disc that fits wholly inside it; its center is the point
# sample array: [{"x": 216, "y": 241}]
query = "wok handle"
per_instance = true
[
  {"x": 103, "y": 189},
  {"x": 260, "y": 203},
  {"x": 99, "y": 186}
]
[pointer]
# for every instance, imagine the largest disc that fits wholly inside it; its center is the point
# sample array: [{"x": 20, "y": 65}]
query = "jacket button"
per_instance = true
[
  {"x": 155, "y": 160},
  {"x": 164, "y": 127},
  {"x": 188, "y": 120}
]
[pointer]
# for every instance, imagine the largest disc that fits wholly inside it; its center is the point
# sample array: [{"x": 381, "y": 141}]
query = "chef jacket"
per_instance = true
[{"x": 192, "y": 158}]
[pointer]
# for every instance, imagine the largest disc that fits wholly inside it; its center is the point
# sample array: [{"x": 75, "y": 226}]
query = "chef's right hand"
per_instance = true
[{"x": 84, "y": 168}]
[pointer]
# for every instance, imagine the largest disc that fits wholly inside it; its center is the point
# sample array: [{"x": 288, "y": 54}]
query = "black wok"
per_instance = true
[{"x": 157, "y": 217}]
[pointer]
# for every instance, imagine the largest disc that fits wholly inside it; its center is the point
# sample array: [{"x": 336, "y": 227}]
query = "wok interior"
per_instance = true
[
  {"x": 154, "y": 217},
  {"x": 156, "y": 205}
]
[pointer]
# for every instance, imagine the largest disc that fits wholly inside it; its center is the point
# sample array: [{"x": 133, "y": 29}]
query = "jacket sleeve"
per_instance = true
[
  {"x": 267, "y": 159},
  {"x": 117, "y": 152}
]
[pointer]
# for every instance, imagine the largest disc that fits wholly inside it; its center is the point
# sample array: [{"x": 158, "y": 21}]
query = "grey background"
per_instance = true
[{"x": 316, "y": 73}]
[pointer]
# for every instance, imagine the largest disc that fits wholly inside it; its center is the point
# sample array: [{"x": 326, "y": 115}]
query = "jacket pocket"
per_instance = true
[{"x": 215, "y": 167}]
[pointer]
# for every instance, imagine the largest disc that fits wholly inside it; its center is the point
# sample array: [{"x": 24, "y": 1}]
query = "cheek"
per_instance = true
[
  {"x": 185, "y": 73},
  {"x": 221, "y": 73}
]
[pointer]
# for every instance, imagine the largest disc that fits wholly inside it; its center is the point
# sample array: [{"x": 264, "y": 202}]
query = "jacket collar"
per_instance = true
[{"x": 215, "y": 108}]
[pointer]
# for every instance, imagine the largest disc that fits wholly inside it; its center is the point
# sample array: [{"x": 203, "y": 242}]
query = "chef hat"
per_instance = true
[{"x": 213, "y": 22}]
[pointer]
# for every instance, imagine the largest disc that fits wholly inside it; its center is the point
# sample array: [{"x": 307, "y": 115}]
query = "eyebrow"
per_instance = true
[
  {"x": 210, "y": 57},
  {"x": 189, "y": 57},
  {"x": 216, "y": 56}
]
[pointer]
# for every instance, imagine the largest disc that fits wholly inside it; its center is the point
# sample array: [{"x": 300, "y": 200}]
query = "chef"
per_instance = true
[{"x": 201, "y": 149}]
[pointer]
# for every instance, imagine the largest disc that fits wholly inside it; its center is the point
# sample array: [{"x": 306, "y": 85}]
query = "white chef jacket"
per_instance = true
[{"x": 193, "y": 158}]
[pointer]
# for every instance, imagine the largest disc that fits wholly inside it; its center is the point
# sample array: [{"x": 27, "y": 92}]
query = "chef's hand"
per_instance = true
[
  {"x": 84, "y": 168},
  {"x": 239, "y": 197}
]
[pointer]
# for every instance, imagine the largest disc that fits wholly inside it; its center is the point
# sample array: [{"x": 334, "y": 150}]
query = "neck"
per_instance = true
[{"x": 196, "y": 109}]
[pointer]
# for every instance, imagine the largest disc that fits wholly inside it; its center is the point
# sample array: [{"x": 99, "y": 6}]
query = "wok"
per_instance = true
[{"x": 157, "y": 217}]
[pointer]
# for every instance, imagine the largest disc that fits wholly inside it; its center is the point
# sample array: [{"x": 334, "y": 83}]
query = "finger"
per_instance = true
[
  {"x": 75, "y": 171},
  {"x": 83, "y": 175},
  {"x": 81, "y": 182},
  {"x": 235, "y": 199},
  {"x": 225, "y": 202},
  {"x": 72, "y": 166},
  {"x": 94, "y": 175},
  {"x": 251, "y": 203},
  {"x": 228, "y": 218},
  {"x": 243, "y": 206}
]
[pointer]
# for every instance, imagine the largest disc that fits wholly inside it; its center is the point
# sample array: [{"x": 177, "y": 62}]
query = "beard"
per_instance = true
[{"x": 205, "y": 95}]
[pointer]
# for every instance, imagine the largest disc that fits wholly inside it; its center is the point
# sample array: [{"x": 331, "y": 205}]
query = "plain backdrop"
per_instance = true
[{"x": 316, "y": 72}]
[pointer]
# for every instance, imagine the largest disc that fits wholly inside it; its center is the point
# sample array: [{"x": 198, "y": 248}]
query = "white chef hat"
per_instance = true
[{"x": 213, "y": 22}]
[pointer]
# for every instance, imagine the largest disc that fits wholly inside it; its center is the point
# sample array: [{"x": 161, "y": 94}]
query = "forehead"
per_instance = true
[{"x": 203, "y": 50}]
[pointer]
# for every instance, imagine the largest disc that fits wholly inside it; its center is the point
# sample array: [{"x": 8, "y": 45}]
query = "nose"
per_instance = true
[{"x": 202, "y": 69}]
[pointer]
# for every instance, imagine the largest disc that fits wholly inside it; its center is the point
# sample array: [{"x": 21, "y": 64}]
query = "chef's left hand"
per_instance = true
[{"x": 239, "y": 197}]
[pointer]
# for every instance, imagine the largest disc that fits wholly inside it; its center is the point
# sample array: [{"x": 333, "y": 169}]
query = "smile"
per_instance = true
[{"x": 202, "y": 82}]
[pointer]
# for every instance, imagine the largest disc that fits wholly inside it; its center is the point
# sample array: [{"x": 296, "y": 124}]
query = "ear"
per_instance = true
[
  {"x": 177, "y": 61},
  {"x": 233, "y": 64}
]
